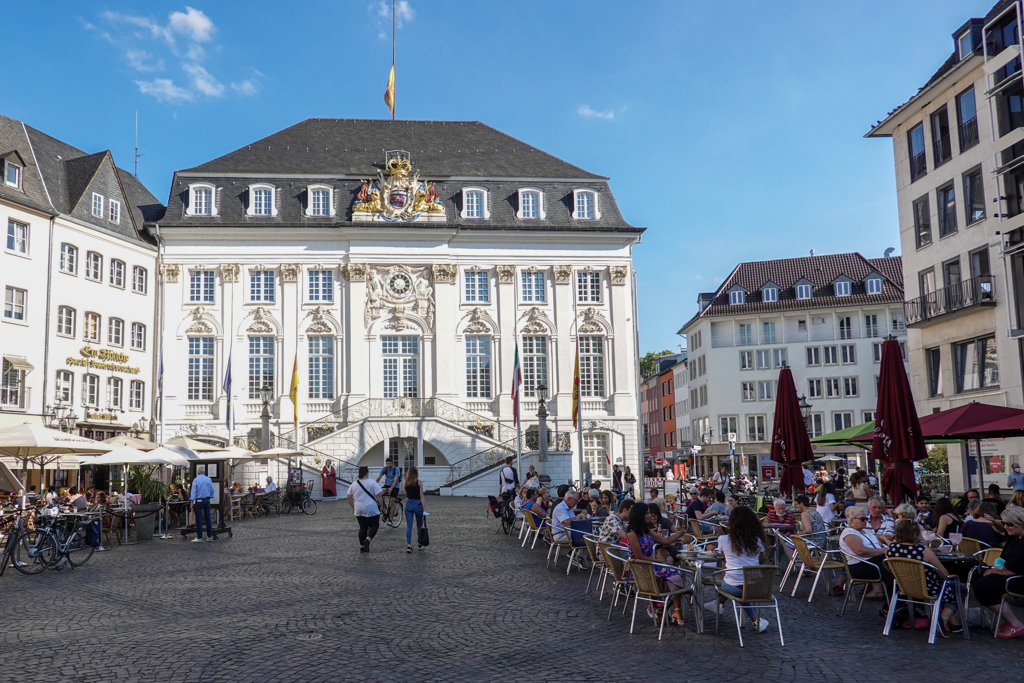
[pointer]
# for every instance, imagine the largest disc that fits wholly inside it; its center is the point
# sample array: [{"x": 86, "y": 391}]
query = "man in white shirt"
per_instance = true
[
  {"x": 271, "y": 486},
  {"x": 563, "y": 514},
  {"x": 364, "y": 497},
  {"x": 508, "y": 479},
  {"x": 722, "y": 480},
  {"x": 808, "y": 478}
]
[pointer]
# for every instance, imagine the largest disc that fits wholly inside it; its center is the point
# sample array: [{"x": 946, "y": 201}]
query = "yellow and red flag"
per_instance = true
[
  {"x": 576, "y": 390},
  {"x": 293, "y": 391},
  {"x": 389, "y": 94}
]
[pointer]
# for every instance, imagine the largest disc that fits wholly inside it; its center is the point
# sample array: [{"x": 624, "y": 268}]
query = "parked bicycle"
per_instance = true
[
  {"x": 70, "y": 533},
  {"x": 30, "y": 551},
  {"x": 298, "y": 498}
]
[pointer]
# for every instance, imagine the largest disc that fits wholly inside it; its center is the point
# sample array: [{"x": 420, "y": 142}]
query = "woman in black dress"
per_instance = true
[
  {"x": 907, "y": 544},
  {"x": 990, "y": 587}
]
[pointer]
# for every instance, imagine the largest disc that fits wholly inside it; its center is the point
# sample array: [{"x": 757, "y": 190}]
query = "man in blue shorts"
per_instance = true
[{"x": 392, "y": 482}]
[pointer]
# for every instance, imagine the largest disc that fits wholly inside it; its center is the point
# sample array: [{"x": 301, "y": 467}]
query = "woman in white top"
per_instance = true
[
  {"x": 743, "y": 546},
  {"x": 364, "y": 497},
  {"x": 864, "y": 551},
  {"x": 825, "y": 504}
]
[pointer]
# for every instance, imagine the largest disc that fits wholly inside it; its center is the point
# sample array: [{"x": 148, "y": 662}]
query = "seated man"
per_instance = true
[
  {"x": 656, "y": 498},
  {"x": 924, "y": 512},
  {"x": 779, "y": 514},
  {"x": 613, "y": 531},
  {"x": 986, "y": 526},
  {"x": 271, "y": 486},
  {"x": 563, "y": 514}
]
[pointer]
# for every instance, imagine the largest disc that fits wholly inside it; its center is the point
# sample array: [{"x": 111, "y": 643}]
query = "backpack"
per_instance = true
[{"x": 495, "y": 506}]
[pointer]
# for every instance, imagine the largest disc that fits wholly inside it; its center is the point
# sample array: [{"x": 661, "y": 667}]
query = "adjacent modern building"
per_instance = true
[
  {"x": 958, "y": 146},
  {"x": 659, "y": 406},
  {"x": 77, "y": 333},
  {"x": 398, "y": 266},
  {"x": 823, "y": 316}
]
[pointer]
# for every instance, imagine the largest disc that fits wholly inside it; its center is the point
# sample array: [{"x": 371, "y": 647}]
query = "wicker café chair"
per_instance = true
[
  {"x": 530, "y": 524},
  {"x": 698, "y": 534},
  {"x": 987, "y": 559},
  {"x": 912, "y": 588},
  {"x": 970, "y": 546},
  {"x": 851, "y": 581},
  {"x": 647, "y": 589},
  {"x": 793, "y": 558},
  {"x": 615, "y": 560},
  {"x": 816, "y": 563},
  {"x": 556, "y": 545},
  {"x": 758, "y": 592},
  {"x": 596, "y": 559},
  {"x": 1007, "y": 593}
]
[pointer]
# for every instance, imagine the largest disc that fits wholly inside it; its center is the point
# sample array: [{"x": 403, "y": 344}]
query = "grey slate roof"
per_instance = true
[
  {"x": 821, "y": 271},
  {"x": 32, "y": 193},
  {"x": 342, "y": 152},
  {"x": 357, "y": 146}
]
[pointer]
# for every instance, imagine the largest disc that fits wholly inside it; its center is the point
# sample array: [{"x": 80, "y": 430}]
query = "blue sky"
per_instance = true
[{"x": 731, "y": 131}]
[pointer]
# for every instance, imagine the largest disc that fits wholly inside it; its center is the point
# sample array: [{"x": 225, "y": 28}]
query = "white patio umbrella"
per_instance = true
[
  {"x": 134, "y": 442},
  {"x": 8, "y": 482},
  {"x": 39, "y": 445},
  {"x": 193, "y": 444}
]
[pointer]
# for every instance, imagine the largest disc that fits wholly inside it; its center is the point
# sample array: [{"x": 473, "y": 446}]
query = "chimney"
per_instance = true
[{"x": 812, "y": 253}]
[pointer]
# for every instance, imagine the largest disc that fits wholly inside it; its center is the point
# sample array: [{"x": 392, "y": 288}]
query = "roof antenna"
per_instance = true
[
  {"x": 137, "y": 155},
  {"x": 812, "y": 253}
]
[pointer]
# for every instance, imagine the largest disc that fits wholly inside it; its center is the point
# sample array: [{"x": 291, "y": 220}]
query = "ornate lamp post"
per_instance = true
[
  {"x": 805, "y": 410},
  {"x": 542, "y": 424},
  {"x": 266, "y": 395},
  {"x": 60, "y": 417}
]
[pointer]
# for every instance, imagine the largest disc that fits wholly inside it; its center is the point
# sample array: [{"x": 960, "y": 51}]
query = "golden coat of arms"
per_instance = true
[{"x": 397, "y": 194}]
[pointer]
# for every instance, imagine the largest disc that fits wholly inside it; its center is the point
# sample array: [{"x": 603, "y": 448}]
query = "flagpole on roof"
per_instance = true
[
  {"x": 578, "y": 394},
  {"x": 392, "y": 59}
]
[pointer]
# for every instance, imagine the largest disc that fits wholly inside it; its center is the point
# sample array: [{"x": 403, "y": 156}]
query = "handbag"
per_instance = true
[{"x": 424, "y": 537}]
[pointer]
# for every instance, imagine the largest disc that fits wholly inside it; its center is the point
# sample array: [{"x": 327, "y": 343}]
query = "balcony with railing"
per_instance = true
[
  {"x": 968, "y": 132},
  {"x": 15, "y": 397},
  {"x": 942, "y": 150},
  {"x": 977, "y": 292},
  {"x": 918, "y": 166}
]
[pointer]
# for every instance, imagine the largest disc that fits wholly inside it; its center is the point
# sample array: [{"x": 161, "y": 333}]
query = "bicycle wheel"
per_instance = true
[
  {"x": 309, "y": 506},
  {"x": 508, "y": 519},
  {"x": 34, "y": 551},
  {"x": 79, "y": 551},
  {"x": 286, "y": 506},
  {"x": 397, "y": 515},
  {"x": 5, "y": 556}
]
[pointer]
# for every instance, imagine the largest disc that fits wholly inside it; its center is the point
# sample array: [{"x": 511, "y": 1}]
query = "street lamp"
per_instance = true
[
  {"x": 805, "y": 410},
  {"x": 542, "y": 423},
  {"x": 266, "y": 395},
  {"x": 60, "y": 417}
]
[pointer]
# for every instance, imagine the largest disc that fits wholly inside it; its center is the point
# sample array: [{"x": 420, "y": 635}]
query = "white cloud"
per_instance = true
[
  {"x": 203, "y": 80},
  {"x": 586, "y": 110},
  {"x": 192, "y": 24},
  {"x": 164, "y": 90},
  {"x": 139, "y": 60},
  {"x": 195, "y": 53},
  {"x": 381, "y": 12},
  {"x": 246, "y": 88}
]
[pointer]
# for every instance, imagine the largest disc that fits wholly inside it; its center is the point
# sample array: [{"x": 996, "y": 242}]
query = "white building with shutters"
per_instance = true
[{"x": 400, "y": 282}]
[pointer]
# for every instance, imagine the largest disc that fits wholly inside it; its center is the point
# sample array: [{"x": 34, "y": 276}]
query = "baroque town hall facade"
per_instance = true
[{"x": 401, "y": 280}]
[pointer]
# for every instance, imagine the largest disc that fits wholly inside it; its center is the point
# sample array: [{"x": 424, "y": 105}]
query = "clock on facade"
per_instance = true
[{"x": 399, "y": 284}]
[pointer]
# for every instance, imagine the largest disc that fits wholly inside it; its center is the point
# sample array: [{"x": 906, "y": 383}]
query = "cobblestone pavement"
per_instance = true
[{"x": 290, "y": 598}]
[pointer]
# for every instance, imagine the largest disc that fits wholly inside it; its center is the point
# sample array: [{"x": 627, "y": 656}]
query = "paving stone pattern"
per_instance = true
[{"x": 290, "y": 598}]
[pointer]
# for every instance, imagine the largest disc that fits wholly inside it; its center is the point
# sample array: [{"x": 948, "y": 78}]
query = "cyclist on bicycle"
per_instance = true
[
  {"x": 508, "y": 480},
  {"x": 392, "y": 483}
]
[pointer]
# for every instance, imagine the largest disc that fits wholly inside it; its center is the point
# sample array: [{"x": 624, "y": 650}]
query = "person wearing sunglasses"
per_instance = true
[{"x": 990, "y": 587}]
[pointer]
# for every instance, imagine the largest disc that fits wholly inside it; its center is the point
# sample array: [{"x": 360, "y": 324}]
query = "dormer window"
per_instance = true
[
  {"x": 201, "y": 201},
  {"x": 531, "y": 204},
  {"x": 474, "y": 203},
  {"x": 261, "y": 201},
  {"x": 115, "y": 211},
  {"x": 842, "y": 288},
  {"x": 320, "y": 201},
  {"x": 586, "y": 207},
  {"x": 737, "y": 297},
  {"x": 803, "y": 291},
  {"x": 874, "y": 285},
  {"x": 770, "y": 294},
  {"x": 964, "y": 45},
  {"x": 97, "y": 205},
  {"x": 12, "y": 175}
]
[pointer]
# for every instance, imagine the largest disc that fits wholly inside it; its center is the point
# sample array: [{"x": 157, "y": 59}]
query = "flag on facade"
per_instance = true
[
  {"x": 517, "y": 380},
  {"x": 389, "y": 94},
  {"x": 576, "y": 389},
  {"x": 160, "y": 386},
  {"x": 293, "y": 391},
  {"x": 229, "y": 419}
]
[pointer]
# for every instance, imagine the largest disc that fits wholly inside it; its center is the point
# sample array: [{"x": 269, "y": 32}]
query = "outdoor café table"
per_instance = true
[
  {"x": 780, "y": 538},
  {"x": 958, "y": 564},
  {"x": 695, "y": 560}
]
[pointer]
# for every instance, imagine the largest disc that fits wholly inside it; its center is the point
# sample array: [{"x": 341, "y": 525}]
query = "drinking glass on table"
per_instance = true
[{"x": 956, "y": 538}]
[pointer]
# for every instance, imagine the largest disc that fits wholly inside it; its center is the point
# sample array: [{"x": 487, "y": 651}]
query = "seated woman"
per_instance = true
[
  {"x": 825, "y": 503},
  {"x": 990, "y": 586},
  {"x": 907, "y": 544},
  {"x": 731, "y": 502},
  {"x": 879, "y": 522},
  {"x": 1017, "y": 500},
  {"x": 864, "y": 551},
  {"x": 604, "y": 504},
  {"x": 535, "y": 506},
  {"x": 947, "y": 521},
  {"x": 986, "y": 526},
  {"x": 778, "y": 513},
  {"x": 743, "y": 547},
  {"x": 904, "y": 511},
  {"x": 848, "y": 501},
  {"x": 642, "y": 539},
  {"x": 812, "y": 522},
  {"x": 861, "y": 488},
  {"x": 519, "y": 501}
]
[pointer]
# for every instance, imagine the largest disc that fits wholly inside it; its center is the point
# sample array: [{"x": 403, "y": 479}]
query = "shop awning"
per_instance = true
[{"x": 20, "y": 363}]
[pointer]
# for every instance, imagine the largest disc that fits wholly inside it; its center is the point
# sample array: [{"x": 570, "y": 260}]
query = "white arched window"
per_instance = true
[
  {"x": 531, "y": 204},
  {"x": 202, "y": 200},
  {"x": 585, "y": 205},
  {"x": 261, "y": 201},
  {"x": 320, "y": 200},
  {"x": 592, "y": 372},
  {"x": 474, "y": 203}
]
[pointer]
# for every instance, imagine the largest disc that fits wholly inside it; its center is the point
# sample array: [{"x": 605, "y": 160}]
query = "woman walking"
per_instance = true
[
  {"x": 364, "y": 499},
  {"x": 413, "y": 506}
]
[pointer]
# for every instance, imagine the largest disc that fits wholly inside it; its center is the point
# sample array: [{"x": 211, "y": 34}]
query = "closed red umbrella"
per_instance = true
[
  {"x": 790, "y": 443},
  {"x": 898, "y": 439}
]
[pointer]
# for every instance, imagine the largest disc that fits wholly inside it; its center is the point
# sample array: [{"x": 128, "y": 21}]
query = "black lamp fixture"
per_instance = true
[
  {"x": 805, "y": 410},
  {"x": 60, "y": 417},
  {"x": 266, "y": 394}
]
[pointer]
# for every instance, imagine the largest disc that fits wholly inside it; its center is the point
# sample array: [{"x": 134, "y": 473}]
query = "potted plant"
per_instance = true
[{"x": 143, "y": 481}]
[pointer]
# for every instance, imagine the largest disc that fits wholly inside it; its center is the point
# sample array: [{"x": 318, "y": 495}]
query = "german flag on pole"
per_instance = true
[
  {"x": 389, "y": 94},
  {"x": 293, "y": 391},
  {"x": 576, "y": 390}
]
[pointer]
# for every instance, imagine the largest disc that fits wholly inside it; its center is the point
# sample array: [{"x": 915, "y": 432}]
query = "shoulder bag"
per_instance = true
[{"x": 424, "y": 537}]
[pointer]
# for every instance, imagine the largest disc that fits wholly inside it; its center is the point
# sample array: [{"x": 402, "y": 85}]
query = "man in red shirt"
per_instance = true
[{"x": 780, "y": 514}]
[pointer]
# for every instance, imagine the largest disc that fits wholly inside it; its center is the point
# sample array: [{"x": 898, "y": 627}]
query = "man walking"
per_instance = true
[
  {"x": 508, "y": 480},
  {"x": 616, "y": 479},
  {"x": 202, "y": 492},
  {"x": 364, "y": 497}
]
